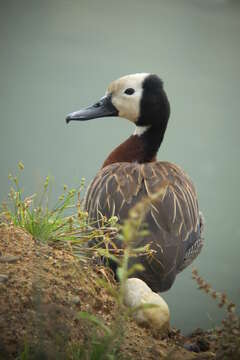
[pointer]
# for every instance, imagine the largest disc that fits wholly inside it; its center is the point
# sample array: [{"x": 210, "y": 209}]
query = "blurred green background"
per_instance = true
[{"x": 59, "y": 55}]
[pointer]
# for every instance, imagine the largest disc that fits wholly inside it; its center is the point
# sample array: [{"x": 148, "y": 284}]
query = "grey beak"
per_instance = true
[{"x": 102, "y": 108}]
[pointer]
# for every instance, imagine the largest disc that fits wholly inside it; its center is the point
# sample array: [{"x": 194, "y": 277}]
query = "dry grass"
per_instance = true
[{"x": 228, "y": 334}]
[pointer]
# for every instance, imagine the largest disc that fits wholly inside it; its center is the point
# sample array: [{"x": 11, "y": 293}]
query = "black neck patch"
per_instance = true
[{"x": 154, "y": 112}]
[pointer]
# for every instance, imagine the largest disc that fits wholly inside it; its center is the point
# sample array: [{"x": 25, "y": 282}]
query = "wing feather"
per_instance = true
[{"x": 172, "y": 218}]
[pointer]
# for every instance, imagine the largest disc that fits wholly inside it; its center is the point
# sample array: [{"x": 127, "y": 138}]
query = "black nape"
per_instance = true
[
  {"x": 154, "y": 112},
  {"x": 154, "y": 106}
]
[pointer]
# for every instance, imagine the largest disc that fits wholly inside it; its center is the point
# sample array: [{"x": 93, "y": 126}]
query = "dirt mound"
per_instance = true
[{"x": 42, "y": 289}]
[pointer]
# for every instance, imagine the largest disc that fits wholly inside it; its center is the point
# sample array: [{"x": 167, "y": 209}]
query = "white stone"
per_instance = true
[{"x": 138, "y": 293}]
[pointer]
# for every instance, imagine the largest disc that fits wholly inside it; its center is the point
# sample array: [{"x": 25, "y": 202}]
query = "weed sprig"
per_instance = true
[{"x": 228, "y": 340}]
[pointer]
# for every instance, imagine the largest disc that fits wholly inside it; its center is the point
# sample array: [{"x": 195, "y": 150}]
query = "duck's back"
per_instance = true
[{"x": 173, "y": 220}]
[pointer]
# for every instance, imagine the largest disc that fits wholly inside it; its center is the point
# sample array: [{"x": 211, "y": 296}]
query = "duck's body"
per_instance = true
[
  {"x": 131, "y": 174},
  {"x": 173, "y": 219}
]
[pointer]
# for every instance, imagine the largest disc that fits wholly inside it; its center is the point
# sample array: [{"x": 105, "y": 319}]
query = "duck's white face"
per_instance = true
[
  {"x": 131, "y": 97},
  {"x": 126, "y": 94}
]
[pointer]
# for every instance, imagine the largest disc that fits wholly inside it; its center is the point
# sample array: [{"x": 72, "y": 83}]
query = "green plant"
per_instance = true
[
  {"x": 105, "y": 342},
  {"x": 65, "y": 223},
  {"x": 25, "y": 355},
  {"x": 32, "y": 213}
]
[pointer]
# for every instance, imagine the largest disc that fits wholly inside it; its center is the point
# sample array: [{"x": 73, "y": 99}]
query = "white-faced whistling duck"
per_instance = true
[{"x": 131, "y": 173}]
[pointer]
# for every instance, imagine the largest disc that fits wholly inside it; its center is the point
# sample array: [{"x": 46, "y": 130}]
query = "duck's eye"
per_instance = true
[{"x": 129, "y": 91}]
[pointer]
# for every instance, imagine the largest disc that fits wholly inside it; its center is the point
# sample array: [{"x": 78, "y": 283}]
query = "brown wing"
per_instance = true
[{"x": 173, "y": 218}]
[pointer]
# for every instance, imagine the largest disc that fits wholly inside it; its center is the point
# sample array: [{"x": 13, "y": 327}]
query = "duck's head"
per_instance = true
[{"x": 139, "y": 98}]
